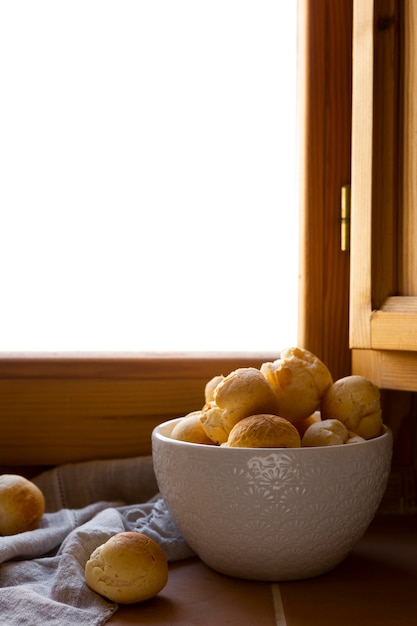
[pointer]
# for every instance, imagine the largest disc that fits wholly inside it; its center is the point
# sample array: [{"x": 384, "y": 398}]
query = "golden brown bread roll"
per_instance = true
[
  {"x": 355, "y": 401},
  {"x": 263, "y": 431},
  {"x": 211, "y": 386},
  {"x": 22, "y": 504},
  {"x": 302, "y": 425},
  {"x": 355, "y": 438},
  {"x": 243, "y": 392},
  {"x": 128, "y": 568},
  {"x": 299, "y": 379},
  {"x": 330, "y": 432},
  {"x": 190, "y": 429}
]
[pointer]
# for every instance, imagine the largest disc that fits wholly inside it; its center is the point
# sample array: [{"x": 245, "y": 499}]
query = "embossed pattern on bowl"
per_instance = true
[{"x": 271, "y": 514}]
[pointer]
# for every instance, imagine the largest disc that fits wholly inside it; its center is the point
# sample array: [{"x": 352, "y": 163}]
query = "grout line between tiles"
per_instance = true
[{"x": 278, "y": 606}]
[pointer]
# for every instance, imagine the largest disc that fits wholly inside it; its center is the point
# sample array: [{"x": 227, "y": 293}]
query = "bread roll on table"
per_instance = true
[
  {"x": 22, "y": 504},
  {"x": 129, "y": 567}
]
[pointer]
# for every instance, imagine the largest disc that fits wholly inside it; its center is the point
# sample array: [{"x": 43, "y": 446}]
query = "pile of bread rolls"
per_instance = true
[{"x": 288, "y": 403}]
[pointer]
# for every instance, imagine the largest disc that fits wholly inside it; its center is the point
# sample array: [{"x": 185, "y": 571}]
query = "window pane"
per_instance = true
[{"x": 148, "y": 165}]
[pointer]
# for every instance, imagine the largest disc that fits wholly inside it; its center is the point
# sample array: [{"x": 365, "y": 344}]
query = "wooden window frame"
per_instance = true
[
  {"x": 59, "y": 408},
  {"x": 383, "y": 308}
]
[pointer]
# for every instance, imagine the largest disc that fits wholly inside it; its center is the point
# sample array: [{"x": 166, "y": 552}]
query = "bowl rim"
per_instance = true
[{"x": 157, "y": 434}]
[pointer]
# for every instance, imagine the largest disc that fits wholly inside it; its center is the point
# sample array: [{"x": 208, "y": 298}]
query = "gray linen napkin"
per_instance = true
[{"x": 42, "y": 571}]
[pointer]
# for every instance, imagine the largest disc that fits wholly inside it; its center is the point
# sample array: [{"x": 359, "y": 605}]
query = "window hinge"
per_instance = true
[{"x": 345, "y": 218}]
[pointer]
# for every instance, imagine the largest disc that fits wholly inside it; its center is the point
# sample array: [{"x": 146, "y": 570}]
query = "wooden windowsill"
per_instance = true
[
  {"x": 81, "y": 407},
  {"x": 35, "y": 365}
]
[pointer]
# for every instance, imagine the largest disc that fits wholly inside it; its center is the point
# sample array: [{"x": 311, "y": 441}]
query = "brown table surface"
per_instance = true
[{"x": 375, "y": 585}]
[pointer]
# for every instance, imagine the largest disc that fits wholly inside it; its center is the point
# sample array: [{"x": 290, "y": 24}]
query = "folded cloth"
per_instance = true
[
  {"x": 77, "y": 485},
  {"x": 42, "y": 571}
]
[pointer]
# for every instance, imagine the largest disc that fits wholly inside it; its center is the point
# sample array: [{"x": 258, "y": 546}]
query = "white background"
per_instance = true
[{"x": 148, "y": 175}]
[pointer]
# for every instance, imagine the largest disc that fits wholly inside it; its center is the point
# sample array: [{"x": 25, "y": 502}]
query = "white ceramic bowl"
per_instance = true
[{"x": 271, "y": 513}]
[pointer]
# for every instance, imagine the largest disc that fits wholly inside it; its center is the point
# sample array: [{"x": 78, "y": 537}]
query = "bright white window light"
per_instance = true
[{"x": 148, "y": 167}]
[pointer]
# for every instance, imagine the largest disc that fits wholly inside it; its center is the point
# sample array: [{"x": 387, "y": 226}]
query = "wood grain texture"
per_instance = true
[
  {"x": 389, "y": 369},
  {"x": 383, "y": 305},
  {"x": 386, "y": 151},
  {"x": 54, "y": 421},
  {"x": 393, "y": 331},
  {"x": 361, "y": 191},
  {"x": 126, "y": 365},
  {"x": 408, "y": 262},
  {"x": 64, "y": 409},
  {"x": 375, "y": 162},
  {"x": 326, "y": 40}
]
